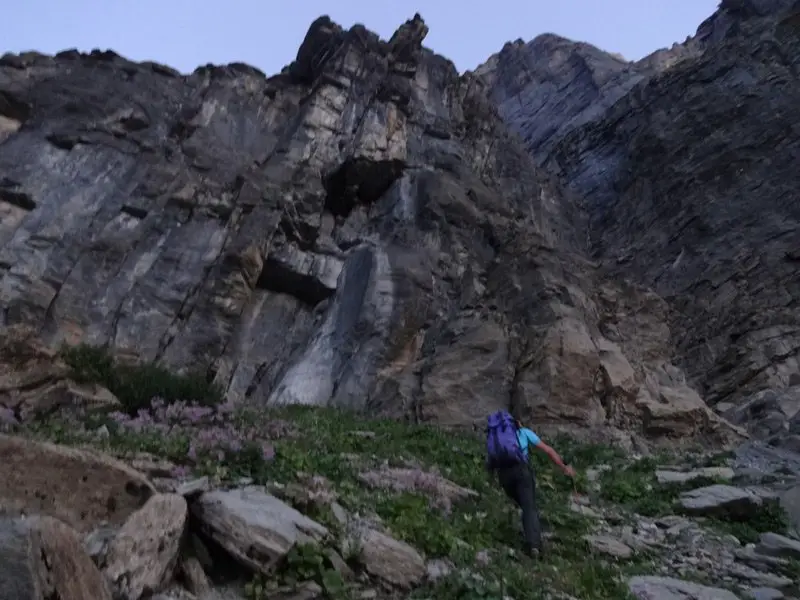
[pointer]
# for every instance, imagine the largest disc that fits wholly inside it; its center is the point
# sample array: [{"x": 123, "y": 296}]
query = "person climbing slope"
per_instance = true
[{"x": 507, "y": 454}]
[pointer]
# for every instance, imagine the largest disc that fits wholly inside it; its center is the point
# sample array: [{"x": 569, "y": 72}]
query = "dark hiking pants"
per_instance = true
[{"x": 519, "y": 484}]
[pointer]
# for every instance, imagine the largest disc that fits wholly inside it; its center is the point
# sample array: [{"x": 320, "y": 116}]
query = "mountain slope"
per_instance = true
[{"x": 689, "y": 180}]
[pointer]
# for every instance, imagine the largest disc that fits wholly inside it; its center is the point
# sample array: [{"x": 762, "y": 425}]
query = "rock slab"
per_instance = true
[
  {"x": 83, "y": 488},
  {"x": 389, "y": 559},
  {"x": 668, "y": 588},
  {"x": 143, "y": 555},
  {"x": 254, "y": 526},
  {"x": 42, "y": 559},
  {"x": 723, "y": 499}
]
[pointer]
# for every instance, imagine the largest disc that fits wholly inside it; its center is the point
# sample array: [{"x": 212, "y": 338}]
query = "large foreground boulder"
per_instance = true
[
  {"x": 80, "y": 487},
  {"x": 41, "y": 558}
]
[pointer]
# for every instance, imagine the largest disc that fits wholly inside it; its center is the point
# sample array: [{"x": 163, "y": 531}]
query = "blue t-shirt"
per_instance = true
[{"x": 527, "y": 438}]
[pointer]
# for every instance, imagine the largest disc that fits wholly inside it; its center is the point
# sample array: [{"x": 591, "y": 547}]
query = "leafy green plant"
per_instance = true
[
  {"x": 308, "y": 562},
  {"x": 767, "y": 517},
  {"x": 136, "y": 385},
  {"x": 256, "y": 589},
  {"x": 635, "y": 486},
  {"x": 462, "y": 586}
]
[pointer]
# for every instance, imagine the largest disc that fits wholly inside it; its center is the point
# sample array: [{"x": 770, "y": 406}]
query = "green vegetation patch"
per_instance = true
[
  {"x": 765, "y": 518},
  {"x": 136, "y": 385},
  {"x": 473, "y": 527},
  {"x": 478, "y": 532},
  {"x": 634, "y": 486}
]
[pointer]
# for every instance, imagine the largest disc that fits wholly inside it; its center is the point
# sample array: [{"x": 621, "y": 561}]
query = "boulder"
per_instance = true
[
  {"x": 664, "y": 476},
  {"x": 195, "y": 576},
  {"x": 34, "y": 380},
  {"x": 766, "y": 593},
  {"x": 81, "y": 487},
  {"x": 42, "y": 559},
  {"x": 774, "y": 544},
  {"x": 142, "y": 556},
  {"x": 391, "y": 560},
  {"x": 727, "y": 500},
  {"x": 668, "y": 588},
  {"x": 255, "y": 527},
  {"x": 609, "y": 545}
]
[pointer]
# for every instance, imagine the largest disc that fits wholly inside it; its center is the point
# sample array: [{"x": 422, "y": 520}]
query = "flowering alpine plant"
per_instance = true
[
  {"x": 8, "y": 420},
  {"x": 213, "y": 432}
]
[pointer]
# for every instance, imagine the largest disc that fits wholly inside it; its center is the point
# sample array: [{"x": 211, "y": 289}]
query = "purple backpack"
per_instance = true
[{"x": 502, "y": 444}]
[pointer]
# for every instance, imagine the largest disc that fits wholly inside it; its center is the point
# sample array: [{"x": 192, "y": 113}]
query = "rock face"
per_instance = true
[
  {"x": 686, "y": 165},
  {"x": 359, "y": 231},
  {"x": 772, "y": 415},
  {"x": 551, "y": 85}
]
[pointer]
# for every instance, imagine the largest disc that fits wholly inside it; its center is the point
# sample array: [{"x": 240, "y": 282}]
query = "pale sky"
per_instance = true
[{"x": 185, "y": 34}]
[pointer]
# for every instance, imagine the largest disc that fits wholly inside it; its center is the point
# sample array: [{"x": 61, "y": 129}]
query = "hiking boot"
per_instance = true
[{"x": 533, "y": 552}]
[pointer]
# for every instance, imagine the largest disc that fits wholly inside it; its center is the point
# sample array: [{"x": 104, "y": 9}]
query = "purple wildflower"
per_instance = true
[{"x": 8, "y": 420}]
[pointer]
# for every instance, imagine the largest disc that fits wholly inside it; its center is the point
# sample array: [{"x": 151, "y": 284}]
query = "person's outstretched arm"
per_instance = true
[
  {"x": 554, "y": 456},
  {"x": 536, "y": 441}
]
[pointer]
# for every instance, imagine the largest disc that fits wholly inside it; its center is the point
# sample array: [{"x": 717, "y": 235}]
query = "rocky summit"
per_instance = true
[{"x": 251, "y": 323}]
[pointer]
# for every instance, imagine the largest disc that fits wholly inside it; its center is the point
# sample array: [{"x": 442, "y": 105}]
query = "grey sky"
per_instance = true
[{"x": 187, "y": 33}]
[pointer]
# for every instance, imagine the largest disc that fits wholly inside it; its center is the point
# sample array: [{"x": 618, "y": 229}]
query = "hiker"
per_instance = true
[{"x": 507, "y": 447}]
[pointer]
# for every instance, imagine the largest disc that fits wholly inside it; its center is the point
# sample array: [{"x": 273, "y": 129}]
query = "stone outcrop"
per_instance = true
[
  {"x": 43, "y": 558},
  {"x": 686, "y": 165},
  {"x": 34, "y": 380},
  {"x": 358, "y": 231},
  {"x": 390, "y": 560},
  {"x": 668, "y": 588},
  {"x": 158, "y": 551},
  {"x": 725, "y": 499},
  {"x": 772, "y": 415}
]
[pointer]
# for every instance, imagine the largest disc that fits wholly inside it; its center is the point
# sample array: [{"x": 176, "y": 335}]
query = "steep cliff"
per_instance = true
[
  {"x": 359, "y": 231},
  {"x": 551, "y": 85},
  {"x": 688, "y": 171}
]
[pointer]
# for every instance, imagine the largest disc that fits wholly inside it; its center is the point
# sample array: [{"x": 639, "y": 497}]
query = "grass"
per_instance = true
[
  {"x": 486, "y": 522},
  {"x": 635, "y": 487},
  {"x": 767, "y": 517}
]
